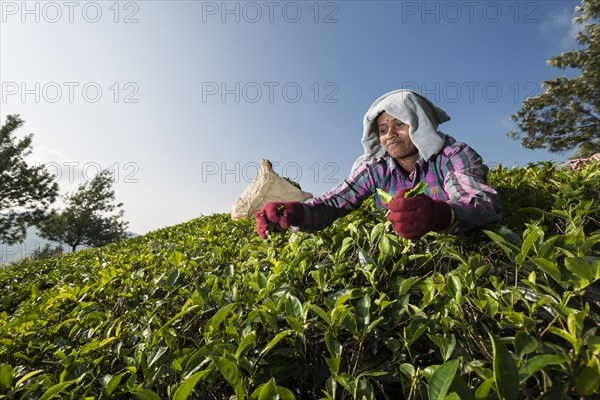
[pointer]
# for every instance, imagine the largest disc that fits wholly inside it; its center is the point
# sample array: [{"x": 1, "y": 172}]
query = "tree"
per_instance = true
[
  {"x": 26, "y": 191},
  {"x": 42, "y": 253},
  {"x": 567, "y": 115},
  {"x": 86, "y": 219}
]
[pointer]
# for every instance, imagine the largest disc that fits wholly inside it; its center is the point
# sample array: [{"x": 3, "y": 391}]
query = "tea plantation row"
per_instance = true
[{"x": 208, "y": 310}]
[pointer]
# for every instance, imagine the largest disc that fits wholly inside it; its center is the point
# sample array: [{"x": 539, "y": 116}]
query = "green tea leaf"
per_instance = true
[
  {"x": 536, "y": 363},
  {"x": 483, "y": 391},
  {"x": 187, "y": 386},
  {"x": 111, "y": 382},
  {"x": 550, "y": 268},
  {"x": 248, "y": 340},
  {"x": 363, "y": 312},
  {"x": 219, "y": 317},
  {"x": 155, "y": 354},
  {"x": 509, "y": 248},
  {"x": 349, "y": 322},
  {"x": 524, "y": 344},
  {"x": 590, "y": 242},
  {"x": 184, "y": 310},
  {"x": 459, "y": 390},
  {"x": 506, "y": 374},
  {"x": 441, "y": 379},
  {"x": 285, "y": 393},
  {"x": 232, "y": 374},
  {"x": 145, "y": 394},
  {"x": 333, "y": 364},
  {"x": 6, "y": 376},
  {"x": 579, "y": 268},
  {"x": 588, "y": 380},
  {"x": 293, "y": 306},
  {"x": 530, "y": 240},
  {"x": 408, "y": 370},
  {"x": 385, "y": 196},
  {"x": 416, "y": 191},
  {"x": 333, "y": 345},
  {"x": 318, "y": 276},
  {"x": 384, "y": 246},
  {"x": 594, "y": 263},
  {"x": 173, "y": 277},
  {"x": 27, "y": 376},
  {"x": 373, "y": 324},
  {"x": 563, "y": 334},
  {"x": 269, "y": 391},
  {"x": 366, "y": 261},
  {"x": 55, "y": 389},
  {"x": 364, "y": 390},
  {"x": 273, "y": 342},
  {"x": 320, "y": 312},
  {"x": 406, "y": 284},
  {"x": 300, "y": 257}
]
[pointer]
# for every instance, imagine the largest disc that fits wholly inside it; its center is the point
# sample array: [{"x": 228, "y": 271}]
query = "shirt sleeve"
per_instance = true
[
  {"x": 347, "y": 196},
  {"x": 472, "y": 200}
]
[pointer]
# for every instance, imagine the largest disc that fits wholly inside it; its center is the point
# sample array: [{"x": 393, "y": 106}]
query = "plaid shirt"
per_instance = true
[{"x": 455, "y": 175}]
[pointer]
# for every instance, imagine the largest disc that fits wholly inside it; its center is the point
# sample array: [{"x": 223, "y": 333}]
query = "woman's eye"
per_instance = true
[{"x": 399, "y": 124}]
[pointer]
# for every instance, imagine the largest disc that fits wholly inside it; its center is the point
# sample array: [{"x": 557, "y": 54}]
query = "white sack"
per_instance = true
[{"x": 266, "y": 187}]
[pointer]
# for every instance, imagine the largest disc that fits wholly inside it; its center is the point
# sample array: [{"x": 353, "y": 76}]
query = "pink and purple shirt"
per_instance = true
[{"x": 455, "y": 175}]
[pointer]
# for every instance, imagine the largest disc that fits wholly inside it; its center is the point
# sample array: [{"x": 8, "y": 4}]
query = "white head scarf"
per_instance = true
[{"x": 411, "y": 108}]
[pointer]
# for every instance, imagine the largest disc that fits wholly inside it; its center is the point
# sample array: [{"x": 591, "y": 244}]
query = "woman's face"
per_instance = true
[{"x": 394, "y": 137}]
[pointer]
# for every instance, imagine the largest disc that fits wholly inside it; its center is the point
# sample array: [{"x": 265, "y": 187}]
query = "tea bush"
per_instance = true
[{"x": 208, "y": 310}]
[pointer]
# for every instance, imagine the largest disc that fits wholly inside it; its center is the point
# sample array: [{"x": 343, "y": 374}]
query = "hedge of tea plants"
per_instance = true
[{"x": 208, "y": 310}]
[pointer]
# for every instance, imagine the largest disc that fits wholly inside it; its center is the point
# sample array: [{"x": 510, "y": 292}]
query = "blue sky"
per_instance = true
[{"x": 182, "y": 99}]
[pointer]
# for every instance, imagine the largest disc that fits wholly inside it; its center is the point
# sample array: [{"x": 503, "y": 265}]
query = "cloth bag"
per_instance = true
[{"x": 266, "y": 187}]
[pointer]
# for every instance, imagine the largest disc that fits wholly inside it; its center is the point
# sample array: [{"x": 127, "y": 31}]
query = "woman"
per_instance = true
[{"x": 402, "y": 147}]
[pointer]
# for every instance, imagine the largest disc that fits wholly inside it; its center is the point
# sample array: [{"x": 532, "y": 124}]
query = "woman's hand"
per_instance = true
[
  {"x": 276, "y": 216},
  {"x": 413, "y": 217}
]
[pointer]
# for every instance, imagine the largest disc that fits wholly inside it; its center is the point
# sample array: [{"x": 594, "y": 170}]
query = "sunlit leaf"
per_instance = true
[
  {"x": 385, "y": 196},
  {"x": 363, "y": 312},
  {"x": 27, "y": 376},
  {"x": 419, "y": 189},
  {"x": 273, "y": 342},
  {"x": 269, "y": 391},
  {"x": 231, "y": 373},
  {"x": 441, "y": 379},
  {"x": 6, "y": 376},
  {"x": 536, "y": 363},
  {"x": 112, "y": 382},
  {"x": 218, "y": 318},
  {"x": 173, "y": 277},
  {"x": 293, "y": 306},
  {"x": 55, "y": 389},
  {"x": 187, "y": 386}
]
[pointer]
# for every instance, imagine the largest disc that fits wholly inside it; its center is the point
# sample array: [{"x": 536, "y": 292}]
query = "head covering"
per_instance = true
[{"x": 411, "y": 108}]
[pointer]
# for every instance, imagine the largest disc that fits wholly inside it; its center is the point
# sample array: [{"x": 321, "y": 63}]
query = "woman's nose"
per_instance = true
[{"x": 391, "y": 131}]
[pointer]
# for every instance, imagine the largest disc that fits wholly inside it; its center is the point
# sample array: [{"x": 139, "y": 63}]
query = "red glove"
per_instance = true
[
  {"x": 275, "y": 216},
  {"x": 413, "y": 217}
]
